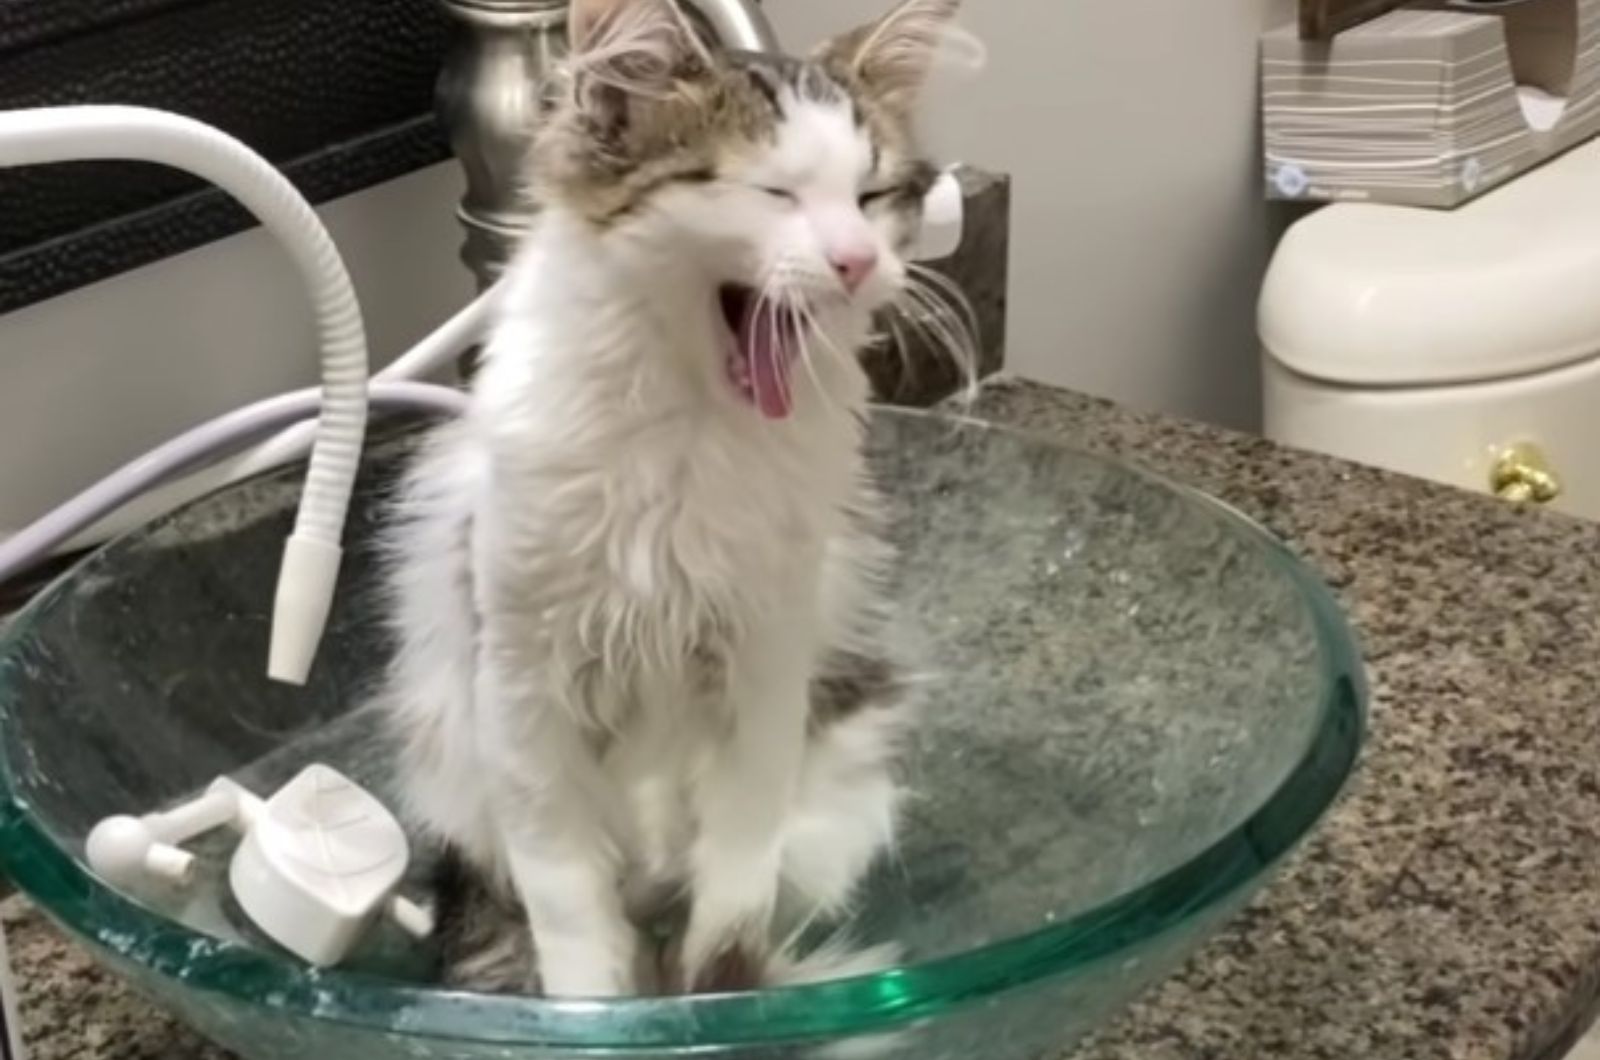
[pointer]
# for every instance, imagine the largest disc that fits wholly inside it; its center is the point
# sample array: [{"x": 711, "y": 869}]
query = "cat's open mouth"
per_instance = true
[{"x": 767, "y": 339}]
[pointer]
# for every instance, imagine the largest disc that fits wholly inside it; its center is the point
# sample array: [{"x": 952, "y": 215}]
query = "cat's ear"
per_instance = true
[
  {"x": 635, "y": 47},
  {"x": 892, "y": 58}
]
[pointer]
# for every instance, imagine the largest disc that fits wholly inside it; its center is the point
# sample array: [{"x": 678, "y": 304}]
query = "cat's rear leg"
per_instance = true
[
  {"x": 844, "y": 817},
  {"x": 838, "y": 822}
]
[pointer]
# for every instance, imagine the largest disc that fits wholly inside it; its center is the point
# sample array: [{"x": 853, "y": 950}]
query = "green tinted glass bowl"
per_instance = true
[{"x": 1140, "y": 702}]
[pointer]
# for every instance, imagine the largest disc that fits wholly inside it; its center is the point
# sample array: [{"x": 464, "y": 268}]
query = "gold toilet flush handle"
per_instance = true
[{"x": 1522, "y": 475}]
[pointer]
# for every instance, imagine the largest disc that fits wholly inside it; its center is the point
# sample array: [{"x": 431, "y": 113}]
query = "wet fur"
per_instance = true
[{"x": 643, "y": 675}]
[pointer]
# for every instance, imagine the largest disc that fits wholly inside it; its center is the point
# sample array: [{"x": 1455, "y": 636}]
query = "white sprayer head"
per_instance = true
[
  {"x": 943, "y": 219},
  {"x": 318, "y": 861},
  {"x": 300, "y": 613}
]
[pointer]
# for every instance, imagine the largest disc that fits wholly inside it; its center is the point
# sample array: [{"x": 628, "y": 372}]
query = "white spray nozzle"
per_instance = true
[
  {"x": 300, "y": 613},
  {"x": 412, "y": 918},
  {"x": 318, "y": 862},
  {"x": 126, "y": 851},
  {"x": 46, "y": 135},
  {"x": 943, "y": 219}
]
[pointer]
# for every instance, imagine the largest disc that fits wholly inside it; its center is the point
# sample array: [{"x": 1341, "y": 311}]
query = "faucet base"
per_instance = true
[{"x": 492, "y": 92}]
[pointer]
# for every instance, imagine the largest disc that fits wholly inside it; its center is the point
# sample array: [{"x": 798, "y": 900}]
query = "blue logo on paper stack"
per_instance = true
[{"x": 1291, "y": 181}]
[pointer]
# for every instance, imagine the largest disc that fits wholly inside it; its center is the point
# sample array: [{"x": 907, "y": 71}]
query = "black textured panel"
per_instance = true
[
  {"x": 56, "y": 266},
  {"x": 25, "y": 23},
  {"x": 337, "y": 92}
]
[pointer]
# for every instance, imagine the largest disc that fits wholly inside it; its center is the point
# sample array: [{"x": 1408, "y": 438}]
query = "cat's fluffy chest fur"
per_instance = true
[{"x": 632, "y": 507}]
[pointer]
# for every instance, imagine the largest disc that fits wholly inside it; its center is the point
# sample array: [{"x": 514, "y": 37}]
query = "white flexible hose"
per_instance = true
[
  {"x": 433, "y": 355},
  {"x": 196, "y": 446},
  {"x": 311, "y": 556},
  {"x": 430, "y": 355}
]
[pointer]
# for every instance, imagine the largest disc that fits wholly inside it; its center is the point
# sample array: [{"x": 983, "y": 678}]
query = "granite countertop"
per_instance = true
[{"x": 1449, "y": 909}]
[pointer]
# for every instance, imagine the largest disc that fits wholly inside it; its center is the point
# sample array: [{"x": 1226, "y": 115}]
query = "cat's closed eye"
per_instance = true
[
  {"x": 783, "y": 194},
  {"x": 877, "y": 195}
]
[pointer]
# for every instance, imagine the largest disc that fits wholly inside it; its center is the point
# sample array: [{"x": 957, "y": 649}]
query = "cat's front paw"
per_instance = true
[
  {"x": 733, "y": 964},
  {"x": 732, "y": 901},
  {"x": 571, "y": 970},
  {"x": 727, "y": 943}
]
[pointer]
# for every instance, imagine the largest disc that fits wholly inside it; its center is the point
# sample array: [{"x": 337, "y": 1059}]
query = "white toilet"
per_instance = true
[{"x": 1461, "y": 346}]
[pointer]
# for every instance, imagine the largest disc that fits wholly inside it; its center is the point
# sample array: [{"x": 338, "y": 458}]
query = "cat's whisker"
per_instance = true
[
  {"x": 785, "y": 311},
  {"x": 909, "y": 314},
  {"x": 804, "y": 328},
  {"x": 833, "y": 347},
  {"x": 928, "y": 309},
  {"x": 811, "y": 371},
  {"x": 814, "y": 326},
  {"x": 954, "y": 296},
  {"x": 829, "y": 346},
  {"x": 897, "y": 342},
  {"x": 953, "y": 315},
  {"x": 811, "y": 328},
  {"x": 768, "y": 308},
  {"x": 936, "y": 320}
]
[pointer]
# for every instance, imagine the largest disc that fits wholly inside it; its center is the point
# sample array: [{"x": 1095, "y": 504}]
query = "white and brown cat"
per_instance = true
[{"x": 638, "y": 587}]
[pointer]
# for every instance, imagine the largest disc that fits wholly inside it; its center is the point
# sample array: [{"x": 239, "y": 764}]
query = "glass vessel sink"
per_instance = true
[{"x": 1141, "y": 703}]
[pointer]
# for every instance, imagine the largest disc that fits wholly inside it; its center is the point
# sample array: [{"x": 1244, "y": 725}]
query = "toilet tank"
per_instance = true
[{"x": 1461, "y": 346}]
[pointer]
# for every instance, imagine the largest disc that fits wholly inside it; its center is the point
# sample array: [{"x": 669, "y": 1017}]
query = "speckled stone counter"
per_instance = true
[{"x": 1450, "y": 907}]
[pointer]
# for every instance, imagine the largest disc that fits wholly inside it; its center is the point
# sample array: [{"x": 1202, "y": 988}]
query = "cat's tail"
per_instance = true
[{"x": 481, "y": 932}]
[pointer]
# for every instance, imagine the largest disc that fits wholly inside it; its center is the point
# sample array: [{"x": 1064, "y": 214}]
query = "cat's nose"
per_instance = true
[{"x": 854, "y": 266}]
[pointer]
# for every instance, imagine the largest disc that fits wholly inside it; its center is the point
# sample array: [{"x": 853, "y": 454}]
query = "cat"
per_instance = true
[{"x": 638, "y": 589}]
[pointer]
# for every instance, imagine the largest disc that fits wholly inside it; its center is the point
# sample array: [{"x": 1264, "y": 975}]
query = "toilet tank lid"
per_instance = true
[{"x": 1392, "y": 295}]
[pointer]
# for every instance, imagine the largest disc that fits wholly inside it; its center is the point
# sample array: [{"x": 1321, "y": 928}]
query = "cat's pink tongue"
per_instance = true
[{"x": 769, "y": 343}]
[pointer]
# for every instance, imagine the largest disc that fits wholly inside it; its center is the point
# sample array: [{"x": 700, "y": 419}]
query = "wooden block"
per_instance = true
[{"x": 1321, "y": 19}]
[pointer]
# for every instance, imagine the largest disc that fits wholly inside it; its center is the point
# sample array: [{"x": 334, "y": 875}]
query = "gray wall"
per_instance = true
[
  {"x": 103, "y": 373},
  {"x": 1139, "y": 234}
]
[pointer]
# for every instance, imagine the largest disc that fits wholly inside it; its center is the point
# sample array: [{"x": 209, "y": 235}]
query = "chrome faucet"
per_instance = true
[{"x": 489, "y": 98}]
